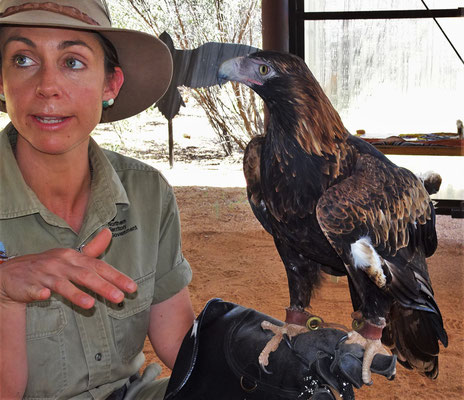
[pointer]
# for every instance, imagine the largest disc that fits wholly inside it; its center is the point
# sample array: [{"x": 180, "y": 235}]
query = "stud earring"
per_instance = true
[
  {"x": 2, "y": 97},
  {"x": 108, "y": 103}
]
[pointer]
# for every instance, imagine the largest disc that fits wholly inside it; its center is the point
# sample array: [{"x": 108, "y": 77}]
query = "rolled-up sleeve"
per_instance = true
[{"x": 173, "y": 271}]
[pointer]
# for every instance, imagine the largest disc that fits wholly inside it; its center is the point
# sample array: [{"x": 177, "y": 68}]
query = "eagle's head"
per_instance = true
[
  {"x": 298, "y": 106},
  {"x": 275, "y": 76}
]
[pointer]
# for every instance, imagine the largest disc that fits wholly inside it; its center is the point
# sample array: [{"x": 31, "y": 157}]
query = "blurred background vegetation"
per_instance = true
[{"x": 233, "y": 111}]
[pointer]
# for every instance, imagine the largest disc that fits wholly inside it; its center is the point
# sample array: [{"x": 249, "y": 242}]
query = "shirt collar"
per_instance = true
[
  {"x": 105, "y": 179},
  {"x": 17, "y": 199}
]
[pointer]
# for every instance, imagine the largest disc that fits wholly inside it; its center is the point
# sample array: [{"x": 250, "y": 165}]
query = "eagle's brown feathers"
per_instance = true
[{"x": 361, "y": 205}]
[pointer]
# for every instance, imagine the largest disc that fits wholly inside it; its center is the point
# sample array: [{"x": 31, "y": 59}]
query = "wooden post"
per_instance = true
[
  {"x": 274, "y": 15},
  {"x": 171, "y": 144}
]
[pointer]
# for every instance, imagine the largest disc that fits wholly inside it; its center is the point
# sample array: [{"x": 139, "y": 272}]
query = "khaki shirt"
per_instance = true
[{"x": 87, "y": 354}]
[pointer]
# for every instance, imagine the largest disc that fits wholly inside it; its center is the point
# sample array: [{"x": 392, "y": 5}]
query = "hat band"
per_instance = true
[{"x": 51, "y": 7}]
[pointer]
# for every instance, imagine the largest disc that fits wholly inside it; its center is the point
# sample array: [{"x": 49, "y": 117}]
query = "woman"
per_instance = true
[{"x": 90, "y": 240}]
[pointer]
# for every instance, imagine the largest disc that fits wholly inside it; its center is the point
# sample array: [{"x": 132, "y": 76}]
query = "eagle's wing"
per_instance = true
[
  {"x": 252, "y": 172},
  {"x": 387, "y": 208},
  {"x": 383, "y": 202}
]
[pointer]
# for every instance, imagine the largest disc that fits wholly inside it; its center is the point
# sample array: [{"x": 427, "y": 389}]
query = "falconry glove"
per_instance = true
[{"x": 218, "y": 359}]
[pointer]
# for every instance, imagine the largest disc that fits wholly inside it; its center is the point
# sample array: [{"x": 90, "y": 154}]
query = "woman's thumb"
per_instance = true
[{"x": 98, "y": 244}]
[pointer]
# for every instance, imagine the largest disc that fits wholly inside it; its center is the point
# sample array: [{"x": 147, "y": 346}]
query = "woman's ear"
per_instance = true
[{"x": 113, "y": 84}]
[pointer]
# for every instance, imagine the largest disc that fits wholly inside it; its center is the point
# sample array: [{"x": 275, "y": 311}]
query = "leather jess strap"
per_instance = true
[{"x": 311, "y": 321}]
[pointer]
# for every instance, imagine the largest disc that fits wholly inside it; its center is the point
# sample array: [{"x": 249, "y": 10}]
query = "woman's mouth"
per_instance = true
[{"x": 50, "y": 120}]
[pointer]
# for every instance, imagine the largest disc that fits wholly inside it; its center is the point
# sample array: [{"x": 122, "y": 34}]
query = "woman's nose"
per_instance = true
[{"x": 48, "y": 85}]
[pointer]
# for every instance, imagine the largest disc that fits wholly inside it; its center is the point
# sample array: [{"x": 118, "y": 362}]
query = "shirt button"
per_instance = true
[{"x": 98, "y": 356}]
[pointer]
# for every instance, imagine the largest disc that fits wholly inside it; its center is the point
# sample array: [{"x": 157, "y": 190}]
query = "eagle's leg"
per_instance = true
[
  {"x": 303, "y": 277},
  {"x": 291, "y": 330},
  {"x": 367, "y": 334},
  {"x": 368, "y": 280},
  {"x": 297, "y": 321}
]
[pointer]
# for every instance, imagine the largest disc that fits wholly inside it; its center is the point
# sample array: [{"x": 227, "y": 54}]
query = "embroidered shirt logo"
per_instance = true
[
  {"x": 120, "y": 228},
  {"x": 3, "y": 256}
]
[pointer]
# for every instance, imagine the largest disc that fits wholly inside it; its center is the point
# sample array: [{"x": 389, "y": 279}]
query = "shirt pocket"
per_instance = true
[
  {"x": 46, "y": 351},
  {"x": 130, "y": 319}
]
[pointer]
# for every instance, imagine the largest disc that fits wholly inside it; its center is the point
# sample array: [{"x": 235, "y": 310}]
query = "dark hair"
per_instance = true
[{"x": 111, "y": 55}]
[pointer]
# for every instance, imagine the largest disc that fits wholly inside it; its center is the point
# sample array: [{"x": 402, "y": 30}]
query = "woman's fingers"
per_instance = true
[
  {"x": 82, "y": 271},
  {"x": 93, "y": 274},
  {"x": 38, "y": 292},
  {"x": 94, "y": 280},
  {"x": 108, "y": 281},
  {"x": 98, "y": 244},
  {"x": 34, "y": 277},
  {"x": 73, "y": 293},
  {"x": 117, "y": 278}
]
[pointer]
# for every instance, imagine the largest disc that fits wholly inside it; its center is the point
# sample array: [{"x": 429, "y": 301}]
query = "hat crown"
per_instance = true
[{"x": 90, "y": 12}]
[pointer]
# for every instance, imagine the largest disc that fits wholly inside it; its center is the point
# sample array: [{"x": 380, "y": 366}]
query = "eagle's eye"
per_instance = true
[{"x": 263, "y": 69}]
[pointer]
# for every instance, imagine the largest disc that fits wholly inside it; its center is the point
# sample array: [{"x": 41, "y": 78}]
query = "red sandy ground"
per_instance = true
[{"x": 233, "y": 258}]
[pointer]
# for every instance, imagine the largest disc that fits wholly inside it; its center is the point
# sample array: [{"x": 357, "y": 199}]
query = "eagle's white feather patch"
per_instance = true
[
  {"x": 365, "y": 257},
  {"x": 363, "y": 253}
]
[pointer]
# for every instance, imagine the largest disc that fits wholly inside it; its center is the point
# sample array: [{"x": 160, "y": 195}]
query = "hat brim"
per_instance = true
[{"x": 144, "y": 59}]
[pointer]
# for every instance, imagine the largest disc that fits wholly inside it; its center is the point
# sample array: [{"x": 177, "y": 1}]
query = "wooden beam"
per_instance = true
[
  {"x": 454, "y": 208},
  {"x": 382, "y": 14},
  {"x": 421, "y": 150}
]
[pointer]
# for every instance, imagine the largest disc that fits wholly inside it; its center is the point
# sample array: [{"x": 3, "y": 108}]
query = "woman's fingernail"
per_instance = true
[
  {"x": 116, "y": 295},
  {"x": 131, "y": 287},
  {"x": 87, "y": 302}
]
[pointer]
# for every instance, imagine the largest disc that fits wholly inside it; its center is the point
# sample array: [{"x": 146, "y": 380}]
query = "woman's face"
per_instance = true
[{"x": 54, "y": 84}]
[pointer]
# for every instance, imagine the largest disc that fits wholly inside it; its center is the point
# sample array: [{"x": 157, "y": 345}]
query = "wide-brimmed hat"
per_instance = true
[{"x": 144, "y": 59}]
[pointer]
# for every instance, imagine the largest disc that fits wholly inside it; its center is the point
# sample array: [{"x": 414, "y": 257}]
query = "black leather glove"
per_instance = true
[{"x": 218, "y": 359}]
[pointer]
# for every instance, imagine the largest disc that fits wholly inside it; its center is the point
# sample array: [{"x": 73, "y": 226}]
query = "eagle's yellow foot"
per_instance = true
[
  {"x": 371, "y": 348},
  {"x": 291, "y": 330}
]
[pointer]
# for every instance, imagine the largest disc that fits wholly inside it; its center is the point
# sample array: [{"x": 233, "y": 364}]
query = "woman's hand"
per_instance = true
[{"x": 33, "y": 277}]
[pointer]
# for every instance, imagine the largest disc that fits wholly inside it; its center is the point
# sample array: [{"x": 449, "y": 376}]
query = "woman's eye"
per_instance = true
[
  {"x": 73, "y": 63},
  {"x": 263, "y": 69},
  {"x": 22, "y": 61}
]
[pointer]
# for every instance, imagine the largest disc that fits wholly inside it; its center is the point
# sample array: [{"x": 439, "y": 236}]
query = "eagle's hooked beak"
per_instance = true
[{"x": 230, "y": 71}]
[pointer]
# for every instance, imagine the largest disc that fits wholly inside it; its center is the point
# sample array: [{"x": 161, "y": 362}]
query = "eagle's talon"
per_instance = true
[
  {"x": 287, "y": 340},
  {"x": 342, "y": 340},
  {"x": 371, "y": 348},
  {"x": 263, "y": 360},
  {"x": 287, "y": 330},
  {"x": 263, "y": 367},
  {"x": 266, "y": 325}
]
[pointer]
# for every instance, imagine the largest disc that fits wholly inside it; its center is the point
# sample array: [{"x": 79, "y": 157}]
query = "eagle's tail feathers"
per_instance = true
[{"x": 413, "y": 335}]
